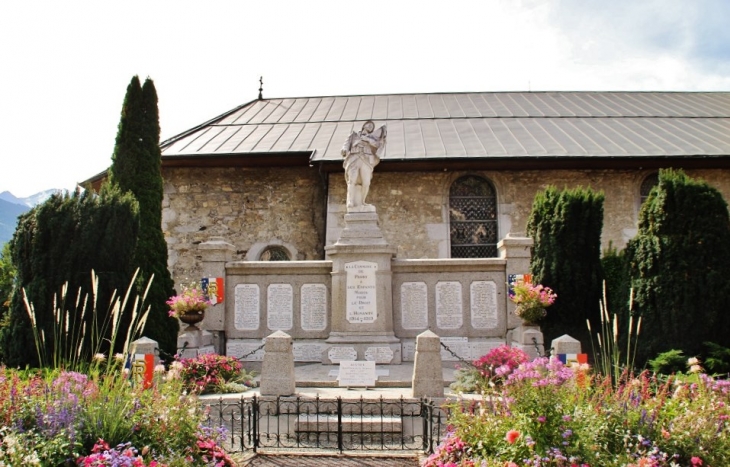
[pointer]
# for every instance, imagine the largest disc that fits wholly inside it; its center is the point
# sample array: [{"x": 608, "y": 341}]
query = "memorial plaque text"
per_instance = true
[
  {"x": 414, "y": 305},
  {"x": 449, "y": 314},
  {"x": 247, "y": 308},
  {"x": 279, "y": 310}
]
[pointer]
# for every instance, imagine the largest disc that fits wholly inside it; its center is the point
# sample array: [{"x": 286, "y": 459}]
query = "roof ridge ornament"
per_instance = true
[{"x": 261, "y": 87}]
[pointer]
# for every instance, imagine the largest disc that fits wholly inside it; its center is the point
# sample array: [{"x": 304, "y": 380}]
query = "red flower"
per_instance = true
[{"x": 512, "y": 436}]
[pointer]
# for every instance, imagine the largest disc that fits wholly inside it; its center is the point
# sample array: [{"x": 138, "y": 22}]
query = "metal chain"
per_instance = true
[
  {"x": 461, "y": 359},
  {"x": 244, "y": 356},
  {"x": 547, "y": 353}
]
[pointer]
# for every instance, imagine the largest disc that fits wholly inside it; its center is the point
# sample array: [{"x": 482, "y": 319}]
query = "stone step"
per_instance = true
[{"x": 323, "y": 423}]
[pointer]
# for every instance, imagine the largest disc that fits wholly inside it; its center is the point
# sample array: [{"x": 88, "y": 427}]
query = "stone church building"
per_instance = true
[
  {"x": 458, "y": 174},
  {"x": 459, "y": 171}
]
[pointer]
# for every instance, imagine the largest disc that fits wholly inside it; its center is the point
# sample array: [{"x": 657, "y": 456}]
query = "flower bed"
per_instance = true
[
  {"x": 547, "y": 414},
  {"x": 102, "y": 419}
]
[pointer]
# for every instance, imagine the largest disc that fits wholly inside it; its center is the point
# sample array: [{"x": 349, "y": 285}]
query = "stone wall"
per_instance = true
[
  {"x": 413, "y": 215},
  {"x": 249, "y": 207}
]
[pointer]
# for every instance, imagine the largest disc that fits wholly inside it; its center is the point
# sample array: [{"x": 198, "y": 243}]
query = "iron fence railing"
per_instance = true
[{"x": 260, "y": 423}]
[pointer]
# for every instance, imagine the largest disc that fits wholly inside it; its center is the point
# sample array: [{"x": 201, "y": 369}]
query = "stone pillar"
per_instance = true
[
  {"x": 529, "y": 339},
  {"x": 144, "y": 346},
  {"x": 565, "y": 345},
  {"x": 277, "y": 372},
  {"x": 193, "y": 342},
  {"x": 362, "y": 297},
  {"x": 428, "y": 376},
  {"x": 517, "y": 251},
  {"x": 215, "y": 253}
]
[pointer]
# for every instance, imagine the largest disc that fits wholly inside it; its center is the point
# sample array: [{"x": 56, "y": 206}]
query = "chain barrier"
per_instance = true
[
  {"x": 245, "y": 356},
  {"x": 461, "y": 359},
  {"x": 547, "y": 353}
]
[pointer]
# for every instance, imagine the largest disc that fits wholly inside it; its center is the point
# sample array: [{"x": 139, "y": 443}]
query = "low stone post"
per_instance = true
[
  {"x": 145, "y": 346},
  {"x": 565, "y": 345},
  {"x": 529, "y": 339},
  {"x": 277, "y": 372},
  {"x": 428, "y": 376}
]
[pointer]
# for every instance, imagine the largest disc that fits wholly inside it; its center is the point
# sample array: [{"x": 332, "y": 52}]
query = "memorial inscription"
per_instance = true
[
  {"x": 449, "y": 314},
  {"x": 247, "y": 308},
  {"x": 341, "y": 354},
  {"x": 279, "y": 310},
  {"x": 483, "y": 304},
  {"x": 414, "y": 305},
  {"x": 313, "y": 307},
  {"x": 379, "y": 354},
  {"x": 361, "y": 284}
]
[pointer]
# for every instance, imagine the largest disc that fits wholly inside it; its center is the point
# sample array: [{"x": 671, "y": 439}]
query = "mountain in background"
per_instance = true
[{"x": 11, "y": 207}]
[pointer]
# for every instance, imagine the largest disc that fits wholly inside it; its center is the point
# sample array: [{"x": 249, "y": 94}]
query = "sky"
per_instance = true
[{"x": 65, "y": 65}]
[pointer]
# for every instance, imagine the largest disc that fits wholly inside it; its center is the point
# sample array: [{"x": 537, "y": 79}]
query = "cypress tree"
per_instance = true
[
  {"x": 566, "y": 227},
  {"x": 136, "y": 167},
  {"x": 60, "y": 242},
  {"x": 679, "y": 264}
]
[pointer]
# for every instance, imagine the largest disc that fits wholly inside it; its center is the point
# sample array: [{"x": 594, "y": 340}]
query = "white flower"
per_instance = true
[
  {"x": 693, "y": 361},
  {"x": 695, "y": 369},
  {"x": 100, "y": 357}
]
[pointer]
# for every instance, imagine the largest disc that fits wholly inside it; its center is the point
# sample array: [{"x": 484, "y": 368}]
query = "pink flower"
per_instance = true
[
  {"x": 512, "y": 436},
  {"x": 696, "y": 461}
]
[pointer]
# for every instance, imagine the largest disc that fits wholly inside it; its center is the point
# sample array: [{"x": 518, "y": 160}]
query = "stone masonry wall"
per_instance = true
[
  {"x": 412, "y": 205},
  {"x": 248, "y": 207}
]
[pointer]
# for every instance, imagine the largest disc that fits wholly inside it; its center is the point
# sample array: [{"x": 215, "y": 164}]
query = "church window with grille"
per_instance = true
[
  {"x": 649, "y": 182},
  {"x": 274, "y": 253},
  {"x": 473, "y": 218}
]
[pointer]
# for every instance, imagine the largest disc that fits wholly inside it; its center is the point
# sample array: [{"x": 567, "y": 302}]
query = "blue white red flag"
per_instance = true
[{"x": 213, "y": 289}]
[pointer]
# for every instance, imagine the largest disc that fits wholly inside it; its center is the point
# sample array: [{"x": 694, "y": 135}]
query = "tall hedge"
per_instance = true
[
  {"x": 61, "y": 241},
  {"x": 136, "y": 168},
  {"x": 679, "y": 263},
  {"x": 566, "y": 228}
]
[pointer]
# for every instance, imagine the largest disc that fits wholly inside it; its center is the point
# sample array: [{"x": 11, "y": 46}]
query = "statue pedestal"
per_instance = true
[
  {"x": 362, "y": 297},
  {"x": 193, "y": 342}
]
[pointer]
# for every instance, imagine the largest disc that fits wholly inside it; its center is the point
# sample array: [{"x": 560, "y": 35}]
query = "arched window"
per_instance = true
[
  {"x": 274, "y": 253},
  {"x": 649, "y": 182},
  {"x": 473, "y": 218}
]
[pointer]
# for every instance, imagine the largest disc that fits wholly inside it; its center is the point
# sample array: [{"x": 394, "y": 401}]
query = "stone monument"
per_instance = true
[{"x": 362, "y": 298}]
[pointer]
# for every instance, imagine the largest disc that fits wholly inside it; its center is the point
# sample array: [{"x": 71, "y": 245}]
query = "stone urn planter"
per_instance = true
[{"x": 192, "y": 317}]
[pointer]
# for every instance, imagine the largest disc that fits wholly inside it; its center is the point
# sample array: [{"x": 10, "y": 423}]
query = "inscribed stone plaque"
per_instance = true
[
  {"x": 308, "y": 352},
  {"x": 458, "y": 345},
  {"x": 280, "y": 309},
  {"x": 313, "y": 307},
  {"x": 414, "y": 305},
  {"x": 247, "y": 309},
  {"x": 357, "y": 374},
  {"x": 449, "y": 313},
  {"x": 408, "y": 351},
  {"x": 481, "y": 348},
  {"x": 483, "y": 304},
  {"x": 239, "y": 349},
  {"x": 361, "y": 303},
  {"x": 342, "y": 354},
  {"x": 379, "y": 354}
]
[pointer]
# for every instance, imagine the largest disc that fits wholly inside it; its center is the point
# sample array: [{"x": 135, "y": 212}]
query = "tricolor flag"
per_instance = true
[
  {"x": 213, "y": 288},
  {"x": 567, "y": 358},
  {"x": 512, "y": 279}
]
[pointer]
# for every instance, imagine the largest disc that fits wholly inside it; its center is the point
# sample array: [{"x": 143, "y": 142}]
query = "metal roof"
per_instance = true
[{"x": 474, "y": 125}]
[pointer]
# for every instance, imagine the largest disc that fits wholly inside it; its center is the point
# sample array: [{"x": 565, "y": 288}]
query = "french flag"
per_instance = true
[{"x": 213, "y": 289}]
